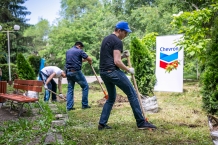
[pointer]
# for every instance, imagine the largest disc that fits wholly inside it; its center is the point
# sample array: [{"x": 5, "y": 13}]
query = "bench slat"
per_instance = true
[
  {"x": 29, "y": 82},
  {"x": 28, "y": 88},
  {"x": 28, "y": 85},
  {"x": 18, "y": 98}
]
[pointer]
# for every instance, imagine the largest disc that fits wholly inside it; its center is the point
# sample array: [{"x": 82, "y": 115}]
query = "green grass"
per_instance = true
[
  {"x": 26, "y": 129},
  {"x": 180, "y": 120},
  {"x": 190, "y": 75}
]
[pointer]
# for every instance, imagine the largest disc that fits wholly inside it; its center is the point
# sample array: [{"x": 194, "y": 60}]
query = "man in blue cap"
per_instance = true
[{"x": 110, "y": 65}]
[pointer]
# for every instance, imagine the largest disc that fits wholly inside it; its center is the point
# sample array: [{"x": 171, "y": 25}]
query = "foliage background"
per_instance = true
[
  {"x": 5, "y": 71},
  {"x": 143, "y": 60},
  {"x": 25, "y": 71},
  {"x": 90, "y": 21},
  {"x": 35, "y": 63},
  {"x": 210, "y": 76}
]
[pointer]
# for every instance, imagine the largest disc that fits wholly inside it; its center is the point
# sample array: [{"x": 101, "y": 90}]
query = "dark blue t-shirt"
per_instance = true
[
  {"x": 109, "y": 44},
  {"x": 74, "y": 58}
]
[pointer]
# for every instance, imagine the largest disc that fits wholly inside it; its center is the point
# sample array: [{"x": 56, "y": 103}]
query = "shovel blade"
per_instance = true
[{"x": 106, "y": 97}]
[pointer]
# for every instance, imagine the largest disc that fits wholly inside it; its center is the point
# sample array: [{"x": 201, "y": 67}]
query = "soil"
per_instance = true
[
  {"x": 6, "y": 115},
  {"x": 119, "y": 100},
  {"x": 94, "y": 88}
]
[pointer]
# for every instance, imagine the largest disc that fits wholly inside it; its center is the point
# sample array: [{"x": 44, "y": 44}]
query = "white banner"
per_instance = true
[{"x": 166, "y": 53}]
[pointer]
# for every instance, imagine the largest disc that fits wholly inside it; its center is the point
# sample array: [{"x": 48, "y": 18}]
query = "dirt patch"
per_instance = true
[
  {"x": 7, "y": 115},
  {"x": 94, "y": 88},
  {"x": 189, "y": 125},
  {"x": 12, "y": 115},
  {"x": 119, "y": 100}
]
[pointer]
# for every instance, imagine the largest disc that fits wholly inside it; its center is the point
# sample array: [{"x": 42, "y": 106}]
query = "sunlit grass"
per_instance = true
[{"x": 180, "y": 121}]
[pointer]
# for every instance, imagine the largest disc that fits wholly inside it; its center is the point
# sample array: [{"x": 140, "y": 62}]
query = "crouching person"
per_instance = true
[{"x": 47, "y": 74}]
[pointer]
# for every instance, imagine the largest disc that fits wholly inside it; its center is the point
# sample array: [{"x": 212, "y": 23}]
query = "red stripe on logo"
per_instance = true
[{"x": 163, "y": 64}]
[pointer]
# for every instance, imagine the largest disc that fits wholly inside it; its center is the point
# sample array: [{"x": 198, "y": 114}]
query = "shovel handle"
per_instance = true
[
  {"x": 106, "y": 96},
  {"x": 56, "y": 94},
  {"x": 137, "y": 91}
]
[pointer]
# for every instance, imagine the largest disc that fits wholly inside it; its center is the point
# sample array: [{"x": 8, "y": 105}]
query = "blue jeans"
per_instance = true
[
  {"x": 72, "y": 78},
  {"x": 51, "y": 86},
  {"x": 119, "y": 79}
]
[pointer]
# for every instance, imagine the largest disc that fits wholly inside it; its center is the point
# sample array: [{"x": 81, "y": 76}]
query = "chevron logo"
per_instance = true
[{"x": 167, "y": 59}]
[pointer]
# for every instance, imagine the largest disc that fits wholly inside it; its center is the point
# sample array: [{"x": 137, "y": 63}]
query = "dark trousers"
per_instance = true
[{"x": 51, "y": 86}]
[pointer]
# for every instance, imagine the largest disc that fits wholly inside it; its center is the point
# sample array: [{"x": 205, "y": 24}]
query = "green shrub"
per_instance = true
[
  {"x": 25, "y": 71},
  {"x": 143, "y": 61},
  {"x": 5, "y": 71},
  {"x": 35, "y": 63},
  {"x": 209, "y": 78}
]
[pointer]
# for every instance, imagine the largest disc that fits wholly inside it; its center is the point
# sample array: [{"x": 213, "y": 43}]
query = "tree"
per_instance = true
[
  {"x": 25, "y": 71},
  {"x": 5, "y": 71},
  {"x": 196, "y": 27},
  {"x": 98, "y": 24},
  {"x": 154, "y": 18},
  {"x": 135, "y": 4},
  {"x": 72, "y": 9},
  {"x": 38, "y": 34},
  {"x": 191, "y": 5},
  {"x": 200, "y": 41},
  {"x": 35, "y": 63},
  {"x": 209, "y": 78},
  {"x": 13, "y": 11},
  {"x": 143, "y": 59}
]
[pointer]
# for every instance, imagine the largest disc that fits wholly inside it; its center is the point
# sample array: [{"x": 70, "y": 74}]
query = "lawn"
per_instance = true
[{"x": 180, "y": 121}]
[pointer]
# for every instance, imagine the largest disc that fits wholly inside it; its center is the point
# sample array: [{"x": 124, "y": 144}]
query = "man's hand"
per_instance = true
[
  {"x": 125, "y": 54},
  {"x": 45, "y": 86},
  {"x": 132, "y": 71},
  {"x": 90, "y": 62},
  {"x": 89, "y": 59},
  {"x": 61, "y": 95}
]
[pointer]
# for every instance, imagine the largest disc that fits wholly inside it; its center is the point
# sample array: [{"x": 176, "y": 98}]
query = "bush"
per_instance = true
[
  {"x": 209, "y": 78},
  {"x": 143, "y": 61},
  {"x": 5, "y": 71},
  {"x": 35, "y": 63},
  {"x": 25, "y": 71}
]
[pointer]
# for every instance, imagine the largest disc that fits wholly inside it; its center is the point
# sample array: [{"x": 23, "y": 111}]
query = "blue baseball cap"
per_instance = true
[{"x": 123, "y": 25}]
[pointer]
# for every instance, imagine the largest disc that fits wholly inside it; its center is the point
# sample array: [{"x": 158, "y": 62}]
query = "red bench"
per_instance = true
[
  {"x": 25, "y": 85},
  {"x": 3, "y": 89}
]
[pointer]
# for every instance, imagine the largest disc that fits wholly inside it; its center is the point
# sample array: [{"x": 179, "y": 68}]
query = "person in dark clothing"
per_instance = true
[
  {"x": 74, "y": 58},
  {"x": 112, "y": 76}
]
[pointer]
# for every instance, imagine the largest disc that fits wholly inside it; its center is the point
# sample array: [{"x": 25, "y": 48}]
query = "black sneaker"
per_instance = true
[
  {"x": 71, "y": 109},
  {"x": 86, "y": 107},
  {"x": 101, "y": 127},
  {"x": 147, "y": 125}
]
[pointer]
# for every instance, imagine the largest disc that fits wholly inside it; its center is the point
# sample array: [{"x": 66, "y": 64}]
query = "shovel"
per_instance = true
[
  {"x": 137, "y": 91},
  {"x": 56, "y": 94},
  {"x": 106, "y": 95}
]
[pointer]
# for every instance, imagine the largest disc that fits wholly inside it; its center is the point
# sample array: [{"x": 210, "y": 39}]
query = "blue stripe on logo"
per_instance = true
[{"x": 169, "y": 58}]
